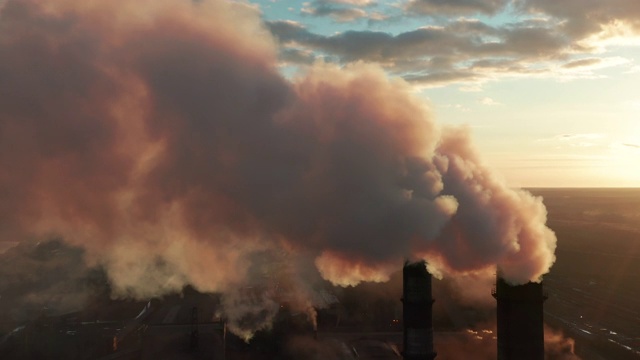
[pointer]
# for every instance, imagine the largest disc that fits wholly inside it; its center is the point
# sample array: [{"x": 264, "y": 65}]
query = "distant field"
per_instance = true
[
  {"x": 598, "y": 232},
  {"x": 594, "y": 286},
  {"x": 616, "y": 208}
]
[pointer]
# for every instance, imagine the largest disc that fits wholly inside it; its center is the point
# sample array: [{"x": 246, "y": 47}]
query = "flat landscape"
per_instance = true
[{"x": 594, "y": 286}]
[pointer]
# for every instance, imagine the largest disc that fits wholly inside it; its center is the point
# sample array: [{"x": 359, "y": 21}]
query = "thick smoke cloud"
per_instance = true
[
  {"x": 160, "y": 137},
  {"x": 493, "y": 223}
]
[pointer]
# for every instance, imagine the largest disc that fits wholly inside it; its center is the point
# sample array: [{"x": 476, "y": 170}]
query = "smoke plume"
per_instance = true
[
  {"x": 557, "y": 346},
  {"x": 161, "y": 138}
]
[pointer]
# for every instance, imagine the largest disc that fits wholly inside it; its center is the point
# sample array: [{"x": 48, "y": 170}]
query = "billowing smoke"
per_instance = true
[
  {"x": 160, "y": 137},
  {"x": 557, "y": 346}
]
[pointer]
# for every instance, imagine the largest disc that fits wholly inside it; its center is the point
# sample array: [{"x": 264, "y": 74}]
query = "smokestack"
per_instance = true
[
  {"x": 520, "y": 320},
  {"x": 417, "y": 312}
]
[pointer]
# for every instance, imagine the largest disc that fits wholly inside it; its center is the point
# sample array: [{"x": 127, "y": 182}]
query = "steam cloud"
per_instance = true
[{"x": 160, "y": 137}]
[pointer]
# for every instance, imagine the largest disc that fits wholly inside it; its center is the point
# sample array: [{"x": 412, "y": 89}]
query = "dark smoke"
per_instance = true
[{"x": 160, "y": 137}]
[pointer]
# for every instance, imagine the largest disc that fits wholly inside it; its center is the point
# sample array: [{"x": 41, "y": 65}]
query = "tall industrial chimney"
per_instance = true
[
  {"x": 520, "y": 320},
  {"x": 417, "y": 312}
]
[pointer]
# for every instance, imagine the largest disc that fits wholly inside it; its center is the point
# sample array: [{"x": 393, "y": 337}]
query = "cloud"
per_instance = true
[
  {"x": 353, "y": 2},
  {"x": 488, "y": 101},
  {"x": 440, "y": 78},
  {"x": 580, "y": 19},
  {"x": 559, "y": 40},
  {"x": 338, "y": 14},
  {"x": 339, "y": 10},
  {"x": 296, "y": 56},
  {"x": 455, "y": 7},
  {"x": 587, "y": 68},
  {"x": 161, "y": 139},
  {"x": 380, "y": 46},
  {"x": 467, "y": 181},
  {"x": 581, "y": 63},
  {"x": 586, "y": 136},
  {"x": 463, "y": 50},
  {"x": 584, "y": 140}
]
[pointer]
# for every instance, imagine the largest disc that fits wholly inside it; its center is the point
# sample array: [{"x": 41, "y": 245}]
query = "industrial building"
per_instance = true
[
  {"x": 417, "y": 312},
  {"x": 186, "y": 327},
  {"x": 520, "y": 320}
]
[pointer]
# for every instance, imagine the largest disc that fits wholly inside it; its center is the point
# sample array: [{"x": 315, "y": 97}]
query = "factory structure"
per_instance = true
[
  {"x": 417, "y": 314},
  {"x": 187, "y": 327},
  {"x": 520, "y": 320},
  {"x": 520, "y": 331}
]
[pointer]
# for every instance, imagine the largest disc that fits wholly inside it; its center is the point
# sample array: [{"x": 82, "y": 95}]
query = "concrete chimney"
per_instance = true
[
  {"x": 520, "y": 320},
  {"x": 417, "y": 312}
]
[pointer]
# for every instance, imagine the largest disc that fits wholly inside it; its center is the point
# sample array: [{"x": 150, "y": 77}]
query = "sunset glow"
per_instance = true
[
  {"x": 266, "y": 179},
  {"x": 548, "y": 88}
]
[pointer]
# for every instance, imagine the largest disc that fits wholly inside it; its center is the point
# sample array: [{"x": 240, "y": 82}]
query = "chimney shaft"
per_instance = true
[
  {"x": 417, "y": 312},
  {"x": 520, "y": 320}
]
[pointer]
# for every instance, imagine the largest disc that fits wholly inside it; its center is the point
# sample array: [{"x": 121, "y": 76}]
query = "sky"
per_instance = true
[{"x": 548, "y": 88}]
